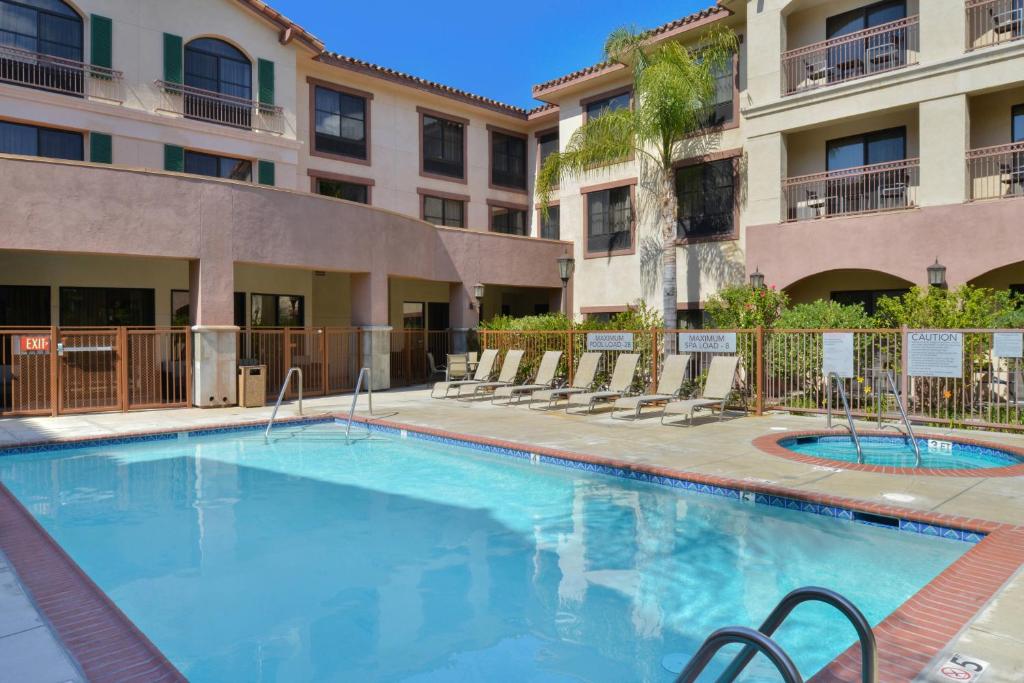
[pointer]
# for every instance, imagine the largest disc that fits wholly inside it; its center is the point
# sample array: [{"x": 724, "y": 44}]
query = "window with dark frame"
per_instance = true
[
  {"x": 200, "y": 163},
  {"x": 24, "y": 305},
  {"x": 508, "y": 160},
  {"x": 277, "y": 310},
  {"x": 37, "y": 141},
  {"x": 49, "y": 28},
  {"x": 444, "y": 211},
  {"x": 443, "y": 146},
  {"x": 706, "y": 195},
  {"x": 180, "y": 307},
  {"x": 610, "y": 220},
  {"x": 721, "y": 107},
  {"x": 103, "y": 306},
  {"x": 549, "y": 225},
  {"x": 547, "y": 145},
  {"x": 875, "y": 52},
  {"x": 1017, "y": 123},
  {"x": 691, "y": 318},
  {"x": 508, "y": 221},
  {"x": 343, "y": 189},
  {"x": 610, "y": 103},
  {"x": 340, "y": 123},
  {"x": 867, "y": 148},
  {"x": 867, "y": 298},
  {"x": 214, "y": 65}
]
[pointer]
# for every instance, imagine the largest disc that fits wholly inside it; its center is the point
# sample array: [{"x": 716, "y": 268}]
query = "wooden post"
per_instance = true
[
  {"x": 904, "y": 369},
  {"x": 759, "y": 371},
  {"x": 188, "y": 367},
  {"x": 54, "y": 376},
  {"x": 570, "y": 367},
  {"x": 121, "y": 358}
]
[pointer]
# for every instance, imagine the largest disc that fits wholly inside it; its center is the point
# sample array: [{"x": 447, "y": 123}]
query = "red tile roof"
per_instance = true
[{"x": 284, "y": 23}]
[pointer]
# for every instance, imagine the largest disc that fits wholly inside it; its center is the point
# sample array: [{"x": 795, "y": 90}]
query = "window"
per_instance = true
[
  {"x": 413, "y": 315},
  {"x": 706, "y": 195},
  {"x": 18, "y": 138},
  {"x": 508, "y": 160},
  {"x": 443, "y": 211},
  {"x": 610, "y": 220},
  {"x": 874, "y": 53},
  {"x": 340, "y": 123},
  {"x": 216, "y": 66},
  {"x": 443, "y": 147},
  {"x": 217, "y": 167},
  {"x": 1017, "y": 123},
  {"x": 23, "y": 305},
  {"x": 865, "y": 17},
  {"x": 547, "y": 144},
  {"x": 101, "y": 306},
  {"x": 549, "y": 228},
  {"x": 240, "y": 309},
  {"x": 344, "y": 189},
  {"x": 179, "y": 307},
  {"x": 595, "y": 108},
  {"x": 277, "y": 310},
  {"x": 868, "y": 298},
  {"x": 48, "y": 27},
  {"x": 870, "y": 148},
  {"x": 721, "y": 109},
  {"x": 507, "y": 220},
  {"x": 691, "y": 319}
]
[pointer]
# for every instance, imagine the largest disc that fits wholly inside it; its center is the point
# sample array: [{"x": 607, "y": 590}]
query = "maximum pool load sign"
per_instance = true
[
  {"x": 959, "y": 668},
  {"x": 937, "y": 353},
  {"x": 837, "y": 353},
  {"x": 609, "y": 341},
  {"x": 1008, "y": 344},
  {"x": 707, "y": 342}
]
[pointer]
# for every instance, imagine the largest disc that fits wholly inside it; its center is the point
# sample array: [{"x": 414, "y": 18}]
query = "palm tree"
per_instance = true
[{"x": 674, "y": 88}]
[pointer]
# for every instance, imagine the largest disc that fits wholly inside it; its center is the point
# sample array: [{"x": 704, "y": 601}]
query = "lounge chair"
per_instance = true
[
  {"x": 717, "y": 387},
  {"x": 545, "y": 377},
  {"x": 483, "y": 373},
  {"x": 507, "y": 376},
  {"x": 436, "y": 369},
  {"x": 622, "y": 380},
  {"x": 673, "y": 372},
  {"x": 582, "y": 381}
]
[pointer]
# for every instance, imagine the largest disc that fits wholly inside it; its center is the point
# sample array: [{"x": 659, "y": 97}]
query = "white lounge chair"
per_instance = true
[
  {"x": 622, "y": 380},
  {"x": 545, "y": 377},
  {"x": 673, "y": 372},
  {"x": 717, "y": 387},
  {"x": 507, "y": 376},
  {"x": 483, "y": 373},
  {"x": 582, "y": 381}
]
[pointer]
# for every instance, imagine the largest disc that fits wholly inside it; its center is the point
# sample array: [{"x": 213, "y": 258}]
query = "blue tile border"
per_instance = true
[{"x": 831, "y": 511}]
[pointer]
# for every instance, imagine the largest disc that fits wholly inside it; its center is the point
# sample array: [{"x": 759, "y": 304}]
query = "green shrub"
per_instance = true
[
  {"x": 964, "y": 307},
  {"x": 822, "y": 314},
  {"x": 742, "y": 306}
]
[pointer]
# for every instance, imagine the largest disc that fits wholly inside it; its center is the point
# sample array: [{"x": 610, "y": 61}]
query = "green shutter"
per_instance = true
[
  {"x": 102, "y": 41},
  {"x": 174, "y": 158},
  {"x": 173, "y": 52},
  {"x": 101, "y": 149},
  {"x": 266, "y": 172},
  {"x": 265, "y": 70}
]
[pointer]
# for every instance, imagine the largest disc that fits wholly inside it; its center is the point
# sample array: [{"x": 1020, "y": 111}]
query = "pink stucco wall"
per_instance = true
[
  {"x": 66, "y": 206},
  {"x": 969, "y": 239}
]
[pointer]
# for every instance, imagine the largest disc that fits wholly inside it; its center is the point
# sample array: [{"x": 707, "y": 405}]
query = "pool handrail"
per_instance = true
[
  {"x": 755, "y": 641},
  {"x": 903, "y": 416},
  {"x": 846, "y": 408},
  {"x": 866, "y": 636},
  {"x": 280, "y": 397},
  {"x": 363, "y": 372}
]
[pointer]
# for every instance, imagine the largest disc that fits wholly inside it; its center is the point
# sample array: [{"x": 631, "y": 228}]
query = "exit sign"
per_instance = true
[{"x": 34, "y": 344}]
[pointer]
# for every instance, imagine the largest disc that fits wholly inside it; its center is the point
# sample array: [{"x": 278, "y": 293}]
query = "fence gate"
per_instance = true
[{"x": 89, "y": 370}]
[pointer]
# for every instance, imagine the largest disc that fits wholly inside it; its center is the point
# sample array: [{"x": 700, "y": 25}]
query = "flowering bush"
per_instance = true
[{"x": 742, "y": 306}]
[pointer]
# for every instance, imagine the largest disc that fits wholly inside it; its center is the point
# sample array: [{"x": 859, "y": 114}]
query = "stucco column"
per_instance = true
[
  {"x": 370, "y": 312},
  {"x": 463, "y": 315},
  {"x": 765, "y": 37},
  {"x": 215, "y": 337},
  {"x": 766, "y": 169},
  {"x": 943, "y": 29},
  {"x": 945, "y": 130}
]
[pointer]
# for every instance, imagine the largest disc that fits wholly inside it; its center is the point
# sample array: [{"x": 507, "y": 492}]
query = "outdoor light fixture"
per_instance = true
[
  {"x": 478, "y": 294},
  {"x": 566, "y": 266},
  {"x": 937, "y": 275},
  {"x": 757, "y": 279}
]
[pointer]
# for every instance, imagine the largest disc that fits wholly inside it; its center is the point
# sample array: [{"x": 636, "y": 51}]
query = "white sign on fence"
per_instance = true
[
  {"x": 837, "y": 353},
  {"x": 1008, "y": 344},
  {"x": 707, "y": 342},
  {"x": 935, "y": 354},
  {"x": 609, "y": 341}
]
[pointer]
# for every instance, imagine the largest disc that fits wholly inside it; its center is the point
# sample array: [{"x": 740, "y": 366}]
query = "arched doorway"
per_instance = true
[
  {"x": 1010, "y": 276},
  {"x": 848, "y": 286}
]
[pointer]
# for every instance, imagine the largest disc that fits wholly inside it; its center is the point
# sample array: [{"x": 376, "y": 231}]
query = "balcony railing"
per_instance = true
[
  {"x": 215, "y": 107},
  {"x": 875, "y": 50},
  {"x": 991, "y": 22},
  {"x": 996, "y": 172},
  {"x": 57, "y": 74},
  {"x": 866, "y": 189}
]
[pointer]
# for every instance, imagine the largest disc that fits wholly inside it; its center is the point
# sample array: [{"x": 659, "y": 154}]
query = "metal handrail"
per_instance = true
[
  {"x": 363, "y": 372},
  {"x": 280, "y": 397},
  {"x": 868, "y": 646},
  {"x": 754, "y": 640},
  {"x": 891, "y": 380},
  {"x": 846, "y": 408}
]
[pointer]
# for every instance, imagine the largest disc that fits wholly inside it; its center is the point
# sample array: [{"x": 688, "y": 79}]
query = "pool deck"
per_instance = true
[{"x": 711, "y": 449}]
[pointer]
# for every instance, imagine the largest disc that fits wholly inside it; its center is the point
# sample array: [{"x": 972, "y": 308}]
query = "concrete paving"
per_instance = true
[{"x": 708, "y": 447}]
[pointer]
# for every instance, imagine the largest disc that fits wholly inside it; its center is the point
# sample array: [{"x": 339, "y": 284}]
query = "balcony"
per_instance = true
[
  {"x": 996, "y": 172},
  {"x": 992, "y": 22},
  {"x": 875, "y": 50},
  {"x": 57, "y": 74},
  {"x": 890, "y": 186},
  {"x": 215, "y": 107}
]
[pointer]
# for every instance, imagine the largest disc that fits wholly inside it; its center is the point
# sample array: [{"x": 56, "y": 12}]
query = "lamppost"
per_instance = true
[
  {"x": 478, "y": 294},
  {"x": 566, "y": 266},
  {"x": 757, "y": 279},
  {"x": 937, "y": 275}
]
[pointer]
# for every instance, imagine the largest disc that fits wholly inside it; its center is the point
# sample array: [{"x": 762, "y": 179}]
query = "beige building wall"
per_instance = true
[{"x": 990, "y": 115}]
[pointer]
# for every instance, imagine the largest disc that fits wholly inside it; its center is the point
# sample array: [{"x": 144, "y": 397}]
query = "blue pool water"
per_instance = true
[
  {"x": 897, "y": 451},
  {"x": 406, "y": 560}
]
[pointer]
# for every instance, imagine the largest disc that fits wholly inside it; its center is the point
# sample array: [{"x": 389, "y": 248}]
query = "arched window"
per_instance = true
[
  {"x": 214, "y": 65},
  {"x": 48, "y": 27}
]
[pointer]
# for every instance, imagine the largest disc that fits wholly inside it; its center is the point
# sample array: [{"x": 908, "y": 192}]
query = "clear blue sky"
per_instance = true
[{"x": 479, "y": 45}]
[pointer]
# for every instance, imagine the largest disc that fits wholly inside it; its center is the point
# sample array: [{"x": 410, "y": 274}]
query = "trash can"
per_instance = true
[{"x": 252, "y": 385}]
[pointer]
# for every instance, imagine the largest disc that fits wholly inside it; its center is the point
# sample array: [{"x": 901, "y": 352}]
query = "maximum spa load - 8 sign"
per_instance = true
[
  {"x": 938, "y": 353},
  {"x": 707, "y": 342}
]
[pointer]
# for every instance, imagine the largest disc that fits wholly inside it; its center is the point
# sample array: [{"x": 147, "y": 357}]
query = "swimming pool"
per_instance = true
[
  {"x": 402, "y": 559},
  {"x": 897, "y": 451}
]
